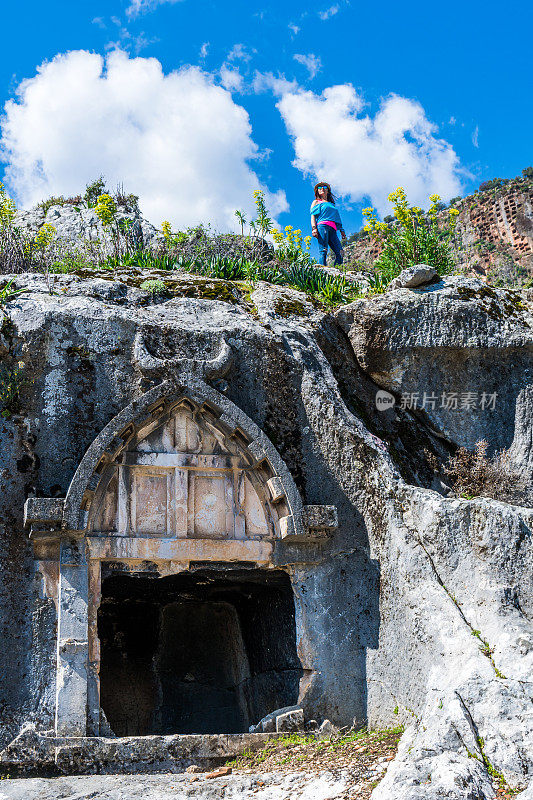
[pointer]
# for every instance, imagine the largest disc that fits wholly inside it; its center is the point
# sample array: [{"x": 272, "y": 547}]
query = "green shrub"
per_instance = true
[
  {"x": 330, "y": 289},
  {"x": 93, "y": 191},
  {"x": 229, "y": 269},
  {"x": 14, "y": 246},
  {"x": 8, "y": 208},
  {"x": 46, "y": 205},
  {"x": 355, "y": 237},
  {"x": 291, "y": 246},
  {"x": 70, "y": 262},
  {"x": 130, "y": 202},
  {"x": 172, "y": 239},
  {"x": 263, "y": 223},
  {"x": 44, "y": 236},
  {"x": 154, "y": 286},
  {"x": 474, "y": 474},
  {"x": 142, "y": 259},
  {"x": 106, "y": 210},
  {"x": 415, "y": 238},
  {"x": 496, "y": 183},
  {"x": 7, "y": 294}
]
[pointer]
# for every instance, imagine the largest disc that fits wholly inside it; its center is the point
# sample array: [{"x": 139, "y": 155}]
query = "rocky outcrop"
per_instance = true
[
  {"x": 455, "y": 604},
  {"x": 419, "y": 604},
  {"x": 75, "y": 224},
  {"x": 412, "y": 277},
  {"x": 457, "y": 353}
]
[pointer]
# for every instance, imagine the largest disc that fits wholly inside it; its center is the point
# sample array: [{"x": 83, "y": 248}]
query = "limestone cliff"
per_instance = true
[{"x": 417, "y": 608}]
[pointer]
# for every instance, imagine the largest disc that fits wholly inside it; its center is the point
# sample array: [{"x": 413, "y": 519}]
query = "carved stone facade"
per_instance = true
[{"x": 181, "y": 477}]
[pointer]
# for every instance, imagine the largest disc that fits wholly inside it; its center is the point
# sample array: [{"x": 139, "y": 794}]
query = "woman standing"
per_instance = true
[{"x": 325, "y": 221}]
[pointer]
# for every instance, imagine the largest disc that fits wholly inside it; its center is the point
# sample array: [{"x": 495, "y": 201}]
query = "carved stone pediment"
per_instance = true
[
  {"x": 186, "y": 478},
  {"x": 182, "y": 462}
]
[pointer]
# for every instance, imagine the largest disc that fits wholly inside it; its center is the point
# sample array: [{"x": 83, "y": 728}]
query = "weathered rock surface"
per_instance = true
[
  {"x": 34, "y": 752},
  {"x": 412, "y": 587},
  {"x": 75, "y": 224},
  {"x": 269, "y": 723},
  {"x": 412, "y": 277},
  {"x": 264, "y": 786},
  {"x": 459, "y": 353},
  {"x": 327, "y": 729},
  {"x": 290, "y": 722}
]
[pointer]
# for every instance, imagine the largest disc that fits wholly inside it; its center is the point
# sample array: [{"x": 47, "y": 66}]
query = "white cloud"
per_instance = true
[
  {"x": 311, "y": 62},
  {"x": 239, "y": 53},
  {"x": 138, "y": 7},
  {"x": 177, "y": 140},
  {"x": 363, "y": 156},
  {"x": 277, "y": 84},
  {"x": 294, "y": 28},
  {"x": 328, "y": 12},
  {"x": 475, "y": 136},
  {"x": 127, "y": 41},
  {"x": 131, "y": 43},
  {"x": 204, "y": 49},
  {"x": 231, "y": 79}
]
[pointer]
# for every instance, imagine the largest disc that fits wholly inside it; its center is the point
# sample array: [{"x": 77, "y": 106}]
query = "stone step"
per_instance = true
[{"x": 32, "y": 753}]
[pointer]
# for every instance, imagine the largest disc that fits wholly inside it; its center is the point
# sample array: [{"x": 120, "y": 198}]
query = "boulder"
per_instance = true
[
  {"x": 290, "y": 722},
  {"x": 327, "y": 729},
  {"x": 410, "y": 278},
  {"x": 76, "y": 224},
  {"x": 269, "y": 723}
]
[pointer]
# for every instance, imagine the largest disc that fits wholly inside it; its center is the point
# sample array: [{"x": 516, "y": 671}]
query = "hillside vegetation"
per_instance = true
[{"x": 103, "y": 230}]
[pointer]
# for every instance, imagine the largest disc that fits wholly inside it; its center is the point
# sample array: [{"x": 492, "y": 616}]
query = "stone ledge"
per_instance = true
[
  {"x": 32, "y": 752},
  {"x": 315, "y": 524},
  {"x": 43, "y": 510}
]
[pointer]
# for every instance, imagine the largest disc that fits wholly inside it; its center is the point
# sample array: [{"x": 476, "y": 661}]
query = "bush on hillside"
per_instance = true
[
  {"x": 416, "y": 238},
  {"x": 473, "y": 473}
]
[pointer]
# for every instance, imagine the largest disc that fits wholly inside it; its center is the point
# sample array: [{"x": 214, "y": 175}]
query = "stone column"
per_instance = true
[
  {"x": 72, "y": 639},
  {"x": 93, "y": 686}
]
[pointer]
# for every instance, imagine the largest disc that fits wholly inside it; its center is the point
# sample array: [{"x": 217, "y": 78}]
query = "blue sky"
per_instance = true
[{"x": 435, "y": 97}]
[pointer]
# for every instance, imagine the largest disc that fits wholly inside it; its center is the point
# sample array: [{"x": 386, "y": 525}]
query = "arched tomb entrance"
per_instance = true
[
  {"x": 202, "y": 651},
  {"x": 175, "y": 607}
]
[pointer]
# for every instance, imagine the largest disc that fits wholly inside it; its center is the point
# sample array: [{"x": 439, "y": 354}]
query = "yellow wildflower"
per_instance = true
[
  {"x": 167, "y": 230},
  {"x": 44, "y": 236}
]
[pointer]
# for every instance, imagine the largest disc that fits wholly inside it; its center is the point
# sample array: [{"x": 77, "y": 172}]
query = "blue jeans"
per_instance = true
[{"x": 327, "y": 236}]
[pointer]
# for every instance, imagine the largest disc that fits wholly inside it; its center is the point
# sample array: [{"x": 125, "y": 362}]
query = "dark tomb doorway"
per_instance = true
[{"x": 205, "y": 651}]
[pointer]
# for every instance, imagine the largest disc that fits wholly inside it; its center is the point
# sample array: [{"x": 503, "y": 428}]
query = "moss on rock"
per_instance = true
[{"x": 285, "y": 307}]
